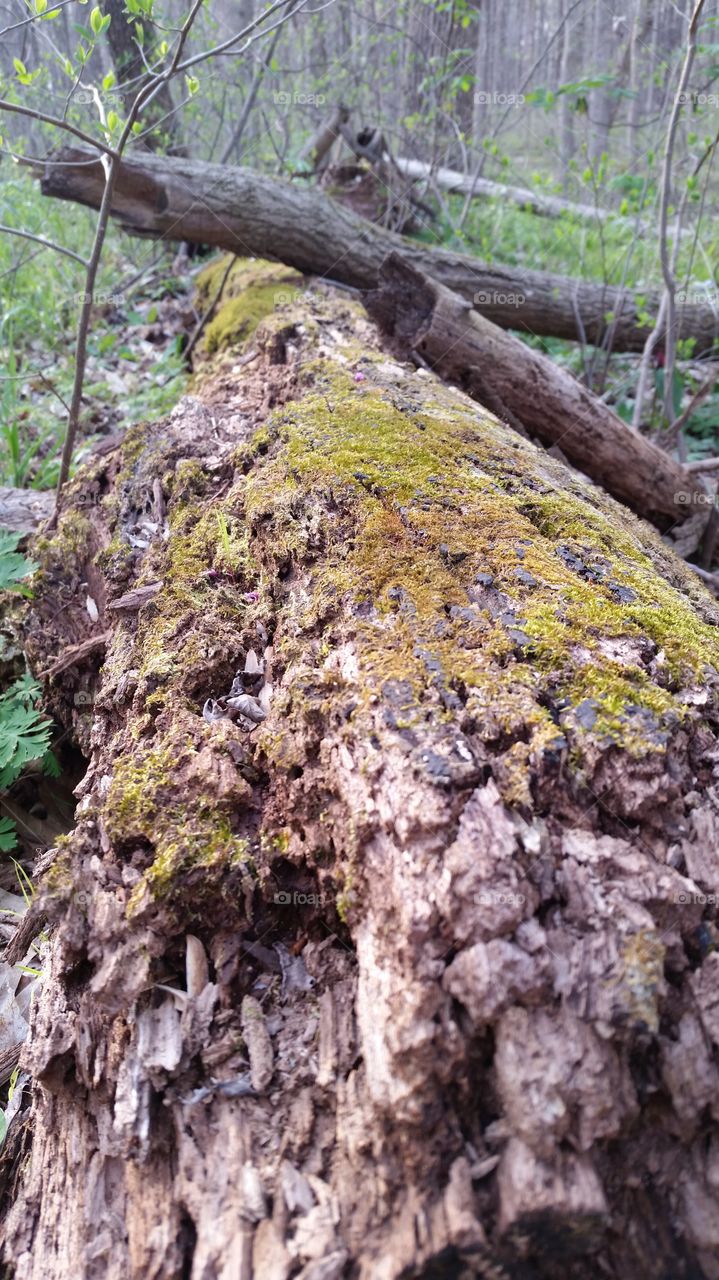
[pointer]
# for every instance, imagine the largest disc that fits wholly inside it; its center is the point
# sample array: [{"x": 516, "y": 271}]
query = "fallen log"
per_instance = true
[
  {"x": 422, "y": 316},
  {"x": 250, "y": 213},
  {"x": 538, "y": 202},
  {"x": 417, "y": 976}
]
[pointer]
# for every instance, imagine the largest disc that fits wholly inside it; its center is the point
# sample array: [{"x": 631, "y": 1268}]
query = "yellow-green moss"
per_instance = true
[
  {"x": 438, "y": 497},
  {"x": 142, "y": 806},
  {"x": 252, "y": 291},
  {"x": 396, "y": 504}
]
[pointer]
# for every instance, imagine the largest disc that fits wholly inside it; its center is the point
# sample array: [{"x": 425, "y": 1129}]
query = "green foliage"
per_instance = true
[
  {"x": 24, "y": 731},
  {"x": 14, "y": 566},
  {"x": 40, "y": 296},
  {"x": 8, "y": 836}
]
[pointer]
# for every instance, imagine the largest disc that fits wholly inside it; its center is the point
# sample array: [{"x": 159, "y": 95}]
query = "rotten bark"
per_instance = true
[
  {"x": 416, "y": 977},
  {"x": 249, "y": 213},
  {"x": 528, "y": 390}
]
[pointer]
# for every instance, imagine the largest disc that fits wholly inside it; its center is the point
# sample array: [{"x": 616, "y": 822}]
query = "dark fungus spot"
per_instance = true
[
  {"x": 586, "y": 713},
  {"x": 452, "y": 557},
  {"x": 571, "y": 561},
  {"x": 484, "y": 579},
  {"x": 437, "y": 767},
  {"x": 624, "y": 595},
  {"x": 519, "y": 637},
  {"x": 524, "y": 576}
]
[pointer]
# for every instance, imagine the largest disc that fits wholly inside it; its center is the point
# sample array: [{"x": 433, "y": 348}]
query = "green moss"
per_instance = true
[
  {"x": 476, "y": 585},
  {"x": 194, "y": 835},
  {"x": 253, "y": 290},
  {"x": 434, "y": 498}
]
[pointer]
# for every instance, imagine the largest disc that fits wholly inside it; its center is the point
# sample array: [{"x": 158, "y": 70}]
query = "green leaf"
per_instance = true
[
  {"x": 51, "y": 765},
  {"x": 14, "y": 566},
  {"x": 40, "y": 6},
  {"x": 24, "y": 733},
  {"x": 108, "y": 80},
  {"x": 19, "y": 66},
  {"x": 113, "y": 120},
  {"x": 8, "y": 837},
  {"x": 96, "y": 21}
]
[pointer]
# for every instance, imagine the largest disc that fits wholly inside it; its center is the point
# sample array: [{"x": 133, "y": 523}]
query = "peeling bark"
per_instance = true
[{"x": 415, "y": 976}]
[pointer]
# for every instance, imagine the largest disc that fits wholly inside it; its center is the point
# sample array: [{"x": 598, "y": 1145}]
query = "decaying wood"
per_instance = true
[
  {"x": 28, "y": 929},
  {"x": 477, "y": 831},
  {"x": 9, "y": 1059},
  {"x": 22, "y": 510},
  {"x": 249, "y": 213},
  {"x": 545, "y": 399},
  {"x": 75, "y": 653},
  {"x": 318, "y": 148}
]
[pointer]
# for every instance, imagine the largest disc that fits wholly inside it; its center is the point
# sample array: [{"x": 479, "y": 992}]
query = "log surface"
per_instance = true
[
  {"x": 415, "y": 976},
  {"x": 530, "y": 391}
]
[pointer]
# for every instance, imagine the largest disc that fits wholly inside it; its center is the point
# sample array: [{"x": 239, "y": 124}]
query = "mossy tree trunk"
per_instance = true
[{"x": 414, "y": 977}]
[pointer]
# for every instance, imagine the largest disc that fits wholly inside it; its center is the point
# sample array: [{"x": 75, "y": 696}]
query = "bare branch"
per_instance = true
[
  {"x": 47, "y": 244},
  {"x": 59, "y": 124}
]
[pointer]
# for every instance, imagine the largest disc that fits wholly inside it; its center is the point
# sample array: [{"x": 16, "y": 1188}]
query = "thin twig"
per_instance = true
[
  {"x": 670, "y": 344},
  {"x": 200, "y": 326},
  {"x": 47, "y": 244}
]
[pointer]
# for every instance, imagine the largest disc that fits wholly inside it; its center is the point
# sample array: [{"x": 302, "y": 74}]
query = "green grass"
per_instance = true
[{"x": 40, "y": 297}]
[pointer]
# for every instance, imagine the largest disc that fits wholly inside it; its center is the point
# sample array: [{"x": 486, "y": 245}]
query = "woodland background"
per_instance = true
[{"x": 565, "y": 98}]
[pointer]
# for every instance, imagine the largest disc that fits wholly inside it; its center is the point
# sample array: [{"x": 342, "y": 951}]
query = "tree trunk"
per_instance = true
[
  {"x": 131, "y": 67},
  {"x": 246, "y": 212},
  {"x": 537, "y": 396},
  {"x": 393, "y": 957}
]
